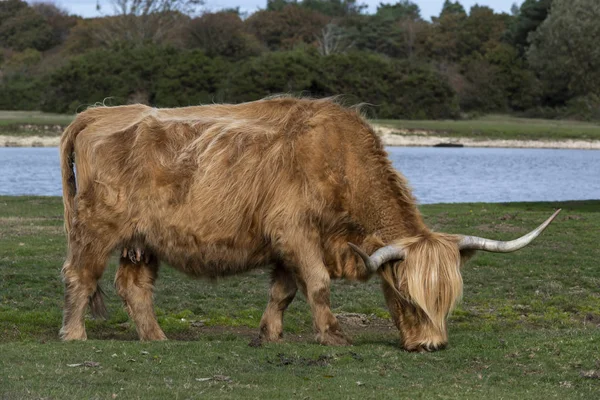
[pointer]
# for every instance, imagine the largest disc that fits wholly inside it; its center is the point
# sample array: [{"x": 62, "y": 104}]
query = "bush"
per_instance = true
[
  {"x": 21, "y": 92},
  {"x": 585, "y": 108},
  {"x": 272, "y": 73},
  {"x": 168, "y": 77},
  {"x": 396, "y": 89},
  {"x": 159, "y": 76}
]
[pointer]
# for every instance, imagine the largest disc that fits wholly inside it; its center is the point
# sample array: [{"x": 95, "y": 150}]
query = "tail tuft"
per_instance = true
[{"x": 97, "y": 306}]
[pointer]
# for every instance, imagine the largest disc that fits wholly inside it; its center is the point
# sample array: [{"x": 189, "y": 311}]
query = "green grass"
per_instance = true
[
  {"x": 33, "y": 117},
  {"x": 528, "y": 326},
  {"x": 32, "y": 123},
  {"x": 29, "y": 123},
  {"x": 502, "y": 127}
]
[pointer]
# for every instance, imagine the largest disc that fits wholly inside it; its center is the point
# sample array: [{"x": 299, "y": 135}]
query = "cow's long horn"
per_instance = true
[
  {"x": 497, "y": 246},
  {"x": 380, "y": 257}
]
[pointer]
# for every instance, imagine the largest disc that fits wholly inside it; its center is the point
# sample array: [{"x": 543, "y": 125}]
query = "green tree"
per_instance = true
[
  {"x": 403, "y": 9},
  {"x": 395, "y": 30},
  {"x": 285, "y": 29},
  {"x": 59, "y": 20},
  {"x": 564, "y": 51},
  {"x": 531, "y": 14},
  {"x": 452, "y": 7},
  {"x": 480, "y": 31},
  {"x": 334, "y": 8},
  {"x": 22, "y": 27},
  {"x": 144, "y": 22},
  {"x": 222, "y": 34},
  {"x": 278, "y": 5},
  {"x": 444, "y": 35}
]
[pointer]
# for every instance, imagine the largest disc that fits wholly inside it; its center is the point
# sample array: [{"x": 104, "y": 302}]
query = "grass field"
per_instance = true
[
  {"x": 33, "y": 117},
  {"x": 502, "y": 127},
  {"x": 528, "y": 326},
  {"x": 32, "y": 123}
]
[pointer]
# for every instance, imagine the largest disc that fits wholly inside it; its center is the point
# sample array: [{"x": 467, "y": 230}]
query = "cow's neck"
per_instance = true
[{"x": 382, "y": 202}]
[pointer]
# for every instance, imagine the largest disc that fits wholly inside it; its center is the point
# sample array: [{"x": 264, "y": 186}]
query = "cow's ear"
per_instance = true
[{"x": 465, "y": 255}]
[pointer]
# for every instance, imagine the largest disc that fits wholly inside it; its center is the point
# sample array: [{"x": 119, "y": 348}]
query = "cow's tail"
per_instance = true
[
  {"x": 97, "y": 306},
  {"x": 67, "y": 161},
  {"x": 69, "y": 184}
]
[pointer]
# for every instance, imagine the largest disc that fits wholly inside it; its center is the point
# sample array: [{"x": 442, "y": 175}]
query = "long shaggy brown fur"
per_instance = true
[{"x": 216, "y": 190}]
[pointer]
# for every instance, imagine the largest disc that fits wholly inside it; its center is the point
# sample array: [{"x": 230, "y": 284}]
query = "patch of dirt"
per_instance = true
[
  {"x": 501, "y": 227},
  {"x": 439, "y": 222},
  {"x": 352, "y": 324},
  {"x": 353, "y": 319},
  {"x": 508, "y": 217},
  {"x": 575, "y": 217},
  {"x": 593, "y": 319},
  {"x": 592, "y": 374},
  {"x": 282, "y": 360}
]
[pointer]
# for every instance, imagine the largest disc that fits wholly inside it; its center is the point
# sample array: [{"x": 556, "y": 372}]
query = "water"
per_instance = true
[
  {"x": 30, "y": 170},
  {"x": 459, "y": 175},
  {"x": 437, "y": 175}
]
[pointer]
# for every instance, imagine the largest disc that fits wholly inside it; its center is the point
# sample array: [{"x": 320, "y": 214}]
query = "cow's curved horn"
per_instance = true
[
  {"x": 497, "y": 246},
  {"x": 380, "y": 257}
]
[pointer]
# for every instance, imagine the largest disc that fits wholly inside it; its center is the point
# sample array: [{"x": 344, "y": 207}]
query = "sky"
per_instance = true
[{"x": 87, "y": 8}]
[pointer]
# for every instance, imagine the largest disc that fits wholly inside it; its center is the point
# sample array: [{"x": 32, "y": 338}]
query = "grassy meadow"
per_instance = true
[
  {"x": 30, "y": 123},
  {"x": 501, "y": 127},
  {"x": 528, "y": 326}
]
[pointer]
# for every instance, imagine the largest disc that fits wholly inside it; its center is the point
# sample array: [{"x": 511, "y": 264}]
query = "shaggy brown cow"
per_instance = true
[{"x": 221, "y": 189}]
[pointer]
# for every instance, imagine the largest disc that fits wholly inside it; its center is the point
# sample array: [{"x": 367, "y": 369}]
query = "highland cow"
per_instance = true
[{"x": 303, "y": 186}]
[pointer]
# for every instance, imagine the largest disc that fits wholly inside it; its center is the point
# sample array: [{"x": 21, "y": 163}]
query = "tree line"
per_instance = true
[{"x": 541, "y": 60}]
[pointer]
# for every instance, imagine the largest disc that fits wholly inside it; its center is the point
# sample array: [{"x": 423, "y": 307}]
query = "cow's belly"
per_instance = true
[{"x": 209, "y": 252}]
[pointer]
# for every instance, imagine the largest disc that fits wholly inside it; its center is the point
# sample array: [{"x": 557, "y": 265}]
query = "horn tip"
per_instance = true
[{"x": 352, "y": 245}]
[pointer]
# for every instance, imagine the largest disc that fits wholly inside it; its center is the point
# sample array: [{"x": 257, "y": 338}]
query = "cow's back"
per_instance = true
[{"x": 214, "y": 181}]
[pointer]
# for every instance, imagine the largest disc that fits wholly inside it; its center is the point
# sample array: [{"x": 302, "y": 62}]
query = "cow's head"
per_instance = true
[{"x": 422, "y": 281}]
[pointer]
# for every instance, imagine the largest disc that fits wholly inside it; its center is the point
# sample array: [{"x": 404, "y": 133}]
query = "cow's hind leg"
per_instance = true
[
  {"x": 82, "y": 270},
  {"x": 282, "y": 292},
  {"x": 134, "y": 283}
]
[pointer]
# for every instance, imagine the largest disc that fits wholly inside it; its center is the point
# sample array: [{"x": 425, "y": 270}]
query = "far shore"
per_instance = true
[{"x": 389, "y": 136}]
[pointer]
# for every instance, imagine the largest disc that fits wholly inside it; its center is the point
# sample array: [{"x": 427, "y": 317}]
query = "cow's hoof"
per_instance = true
[
  {"x": 425, "y": 347},
  {"x": 336, "y": 338},
  {"x": 70, "y": 336}
]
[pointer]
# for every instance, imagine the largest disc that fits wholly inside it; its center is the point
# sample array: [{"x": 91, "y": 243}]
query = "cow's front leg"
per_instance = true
[
  {"x": 282, "y": 292},
  {"x": 314, "y": 281}
]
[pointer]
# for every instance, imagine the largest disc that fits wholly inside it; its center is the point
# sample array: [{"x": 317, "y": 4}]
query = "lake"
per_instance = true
[{"x": 437, "y": 175}]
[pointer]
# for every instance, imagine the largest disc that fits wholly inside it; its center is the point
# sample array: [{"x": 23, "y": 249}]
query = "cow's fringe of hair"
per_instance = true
[{"x": 429, "y": 276}]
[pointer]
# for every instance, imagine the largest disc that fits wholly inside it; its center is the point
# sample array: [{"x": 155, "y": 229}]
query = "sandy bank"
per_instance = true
[
  {"x": 29, "y": 141},
  {"x": 425, "y": 139},
  {"x": 389, "y": 136}
]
